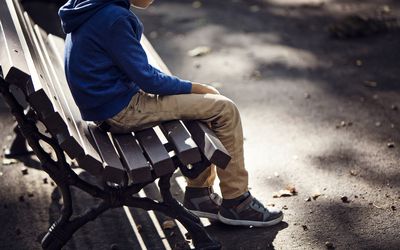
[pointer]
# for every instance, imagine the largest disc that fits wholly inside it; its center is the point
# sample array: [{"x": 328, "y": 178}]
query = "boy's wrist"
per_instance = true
[{"x": 199, "y": 88}]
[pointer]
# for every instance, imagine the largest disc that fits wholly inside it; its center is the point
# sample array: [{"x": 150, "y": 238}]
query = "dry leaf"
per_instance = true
[
  {"x": 289, "y": 191},
  {"x": 254, "y": 8},
  {"x": 196, "y": 4},
  {"x": 7, "y": 161},
  {"x": 316, "y": 195},
  {"x": 168, "y": 224},
  {"x": 390, "y": 145},
  {"x": 353, "y": 173},
  {"x": 371, "y": 84},
  {"x": 199, "y": 51}
]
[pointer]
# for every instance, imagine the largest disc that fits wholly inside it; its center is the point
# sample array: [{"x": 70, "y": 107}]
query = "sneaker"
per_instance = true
[
  {"x": 250, "y": 212},
  {"x": 203, "y": 202}
]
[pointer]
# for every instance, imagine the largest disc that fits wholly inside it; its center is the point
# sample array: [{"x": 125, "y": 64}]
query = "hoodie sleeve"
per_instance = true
[{"x": 128, "y": 54}]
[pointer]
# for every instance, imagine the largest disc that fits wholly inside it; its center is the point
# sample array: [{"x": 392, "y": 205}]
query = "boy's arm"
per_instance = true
[
  {"x": 200, "y": 88},
  {"x": 128, "y": 54}
]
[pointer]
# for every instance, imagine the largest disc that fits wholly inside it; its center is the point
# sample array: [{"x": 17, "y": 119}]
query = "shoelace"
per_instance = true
[
  {"x": 215, "y": 198},
  {"x": 258, "y": 206}
]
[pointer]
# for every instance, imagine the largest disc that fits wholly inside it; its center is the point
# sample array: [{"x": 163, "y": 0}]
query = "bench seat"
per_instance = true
[{"x": 37, "y": 68}]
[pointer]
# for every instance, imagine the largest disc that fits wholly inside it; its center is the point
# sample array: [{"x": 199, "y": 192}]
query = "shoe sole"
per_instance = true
[
  {"x": 205, "y": 214},
  {"x": 250, "y": 222}
]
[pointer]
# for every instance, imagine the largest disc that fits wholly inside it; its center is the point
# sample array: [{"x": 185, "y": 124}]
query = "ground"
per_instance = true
[{"x": 319, "y": 114}]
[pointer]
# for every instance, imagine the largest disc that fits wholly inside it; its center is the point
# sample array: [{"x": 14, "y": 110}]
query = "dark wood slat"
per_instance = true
[
  {"x": 11, "y": 52},
  {"x": 155, "y": 151},
  {"x": 52, "y": 44},
  {"x": 113, "y": 170},
  {"x": 132, "y": 157},
  {"x": 28, "y": 44},
  {"x": 184, "y": 146},
  {"x": 209, "y": 143},
  {"x": 41, "y": 104},
  {"x": 58, "y": 86},
  {"x": 56, "y": 125}
]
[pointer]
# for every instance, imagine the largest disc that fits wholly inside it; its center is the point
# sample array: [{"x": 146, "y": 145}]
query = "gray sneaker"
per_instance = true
[
  {"x": 250, "y": 212},
  {"x": 203, "y": 202}
]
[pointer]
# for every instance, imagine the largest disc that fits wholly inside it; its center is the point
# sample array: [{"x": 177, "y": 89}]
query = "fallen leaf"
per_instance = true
[
  {"x": 386, "y": 8},
  {"x": 379, "y": 207},
  {"x": 329, "y": 245},
  {"x": 316, "y": 195},
  {"x": 371, "y": 84},
  {"x": 308, "y": 199},
  {"x": 305, "y": 228},
  {"x": 199, "y": 51},
  {"x": 196, "y": 4},
  {"x": 254, "y": 8},
  {"x": 345, "y": 199},
  {"x": 168, "y": 224},
  {"x": 390, "y": 145},
  {"x": 292, "y": 189},
  {"x": 7, "y": 161},
  {"x": 289, "y": 191},
  {"x": 256, "y": 74},
  {"x": 24, "y": 170},
  {"x": 353, "y": 173},
  {"x": 282, "y": 193}
]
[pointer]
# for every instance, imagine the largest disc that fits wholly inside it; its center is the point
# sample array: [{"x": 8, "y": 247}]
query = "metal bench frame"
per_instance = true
[{"x": 112, "y": 196}]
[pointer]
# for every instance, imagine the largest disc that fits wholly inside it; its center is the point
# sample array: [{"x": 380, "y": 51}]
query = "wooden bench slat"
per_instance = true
[
  {"x": 41, "y": 103},
  {"x": 113, "y": 170},
  {"x": 132, "y": 157},
  {"x": 209, "y": 143},
  {"x": 184, "y": 146},
  {"x": 12, "y": 59},
  {"x": 155, "y": 151},
  {"x": 76, "y": 126}
]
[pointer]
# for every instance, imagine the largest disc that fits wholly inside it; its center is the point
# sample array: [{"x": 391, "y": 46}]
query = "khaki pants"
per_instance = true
[{"x": 146, "y": 110}]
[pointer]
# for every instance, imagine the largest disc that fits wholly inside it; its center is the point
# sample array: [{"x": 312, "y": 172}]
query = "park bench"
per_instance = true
[{"x": 31, "y": 62}]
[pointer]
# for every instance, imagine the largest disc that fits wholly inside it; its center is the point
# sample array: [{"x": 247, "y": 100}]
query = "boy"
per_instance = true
[{"x": 113, "y": 85}]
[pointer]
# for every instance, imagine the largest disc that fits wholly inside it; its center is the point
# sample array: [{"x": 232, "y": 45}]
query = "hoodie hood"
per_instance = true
[{"x": 75, "y": 12}]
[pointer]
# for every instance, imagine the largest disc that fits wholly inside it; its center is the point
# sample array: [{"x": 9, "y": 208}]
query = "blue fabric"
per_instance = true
[{"x": 105, "y": 64}]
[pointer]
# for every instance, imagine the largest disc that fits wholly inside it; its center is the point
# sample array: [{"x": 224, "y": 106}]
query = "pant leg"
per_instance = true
[{"x": 146, "y": 110}]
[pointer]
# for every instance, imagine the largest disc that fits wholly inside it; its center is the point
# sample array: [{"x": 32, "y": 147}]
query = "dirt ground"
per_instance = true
[{"x": 319, "y": 114}]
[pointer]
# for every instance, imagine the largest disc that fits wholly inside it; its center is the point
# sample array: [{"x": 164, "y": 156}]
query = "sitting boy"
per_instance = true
[{"x": 114, "y": 85}]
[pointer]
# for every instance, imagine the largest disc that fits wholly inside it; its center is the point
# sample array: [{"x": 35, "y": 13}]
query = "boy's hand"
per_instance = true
[{"x": 199, "y": 88}]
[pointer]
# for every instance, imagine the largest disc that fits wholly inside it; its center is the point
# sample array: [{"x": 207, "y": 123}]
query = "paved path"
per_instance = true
[{"x": 310, "y": 115}]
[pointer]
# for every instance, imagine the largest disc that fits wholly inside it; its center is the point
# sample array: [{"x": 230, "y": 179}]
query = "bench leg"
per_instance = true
[{"x": 201, "y": 239}]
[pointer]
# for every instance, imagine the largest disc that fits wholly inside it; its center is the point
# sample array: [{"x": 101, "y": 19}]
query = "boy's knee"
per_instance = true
[{"x": 227, "y": 105}]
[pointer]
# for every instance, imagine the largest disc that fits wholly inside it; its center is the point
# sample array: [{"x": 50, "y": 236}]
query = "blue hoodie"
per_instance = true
[{"x": 105, "y": 64}]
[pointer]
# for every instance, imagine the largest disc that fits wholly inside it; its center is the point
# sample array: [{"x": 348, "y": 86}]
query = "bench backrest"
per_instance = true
[{"x": 33, "y": 60}]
